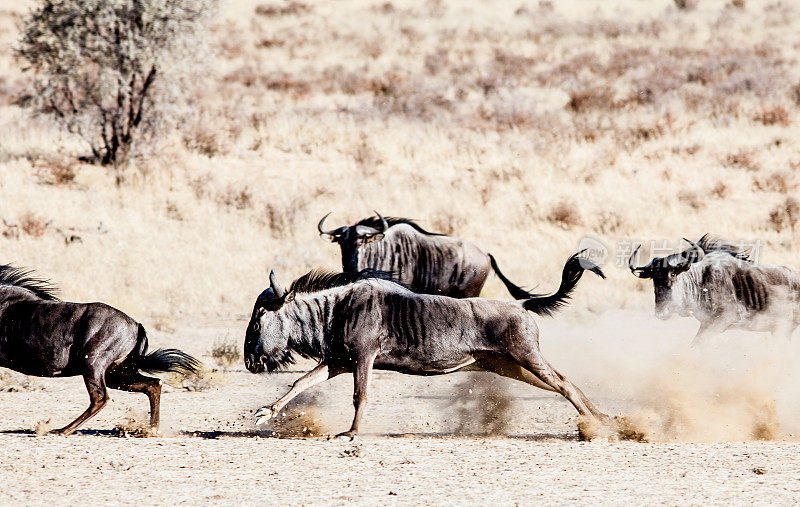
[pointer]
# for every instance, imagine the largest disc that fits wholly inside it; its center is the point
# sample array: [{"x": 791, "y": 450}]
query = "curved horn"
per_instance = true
[
  {"x": 696, "y": 253},
  {"x": 319, "y": 225},
  {"x": 384, "y": 223},
  {"x": 276, "y": 287},
  {"x": 637, "y": 271}
]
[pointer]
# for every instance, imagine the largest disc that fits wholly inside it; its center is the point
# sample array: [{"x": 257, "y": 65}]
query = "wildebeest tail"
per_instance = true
[
  {"x": 515, "y": 291},
  {"x": 164, "y": 360},
  {"x": 573, "y": 270}
]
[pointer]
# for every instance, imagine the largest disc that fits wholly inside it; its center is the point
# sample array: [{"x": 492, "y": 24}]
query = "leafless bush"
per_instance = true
[
  {"x": 587, "y": 99},
  {"x": 686, "y": 5},
  {"x": 742, "y": 160},
  {"x": 239, "y": 198},
  {"x": 776, "y": 182},
  {"x": 282, "y": 9},
  {"x": 98, "y": 63},
  {"x": 57, "y": 171},
  {"x": 226, "y": 353},
  {"x": 564, "y": 214},
  {"x": 33, "y": 225},
  {"x": 777, "y": 115},
  {"x": 785, "y": 215},
  {"x": 280, "y": 217}
]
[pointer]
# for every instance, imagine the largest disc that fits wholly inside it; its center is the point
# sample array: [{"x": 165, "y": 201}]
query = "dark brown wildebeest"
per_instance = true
[
  {"x": 45, "y": 337},
  {"x": 427, "y": 262},
  {"x": 354, "y": 322},
  {"x": 719, "y": 285}
]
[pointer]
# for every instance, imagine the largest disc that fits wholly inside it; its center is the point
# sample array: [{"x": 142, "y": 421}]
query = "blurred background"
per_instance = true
[{"x": 520, "y": 126}]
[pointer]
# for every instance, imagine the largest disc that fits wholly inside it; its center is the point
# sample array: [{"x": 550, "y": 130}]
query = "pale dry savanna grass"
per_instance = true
[{"x": 521, "y": 126}]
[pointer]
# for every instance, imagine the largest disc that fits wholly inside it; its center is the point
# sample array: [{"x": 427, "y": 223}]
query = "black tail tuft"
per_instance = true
[
  {"x": 573, "y": 270},
  {"x": 515, "y": 291},
  {"x": 164, "y": 360}
]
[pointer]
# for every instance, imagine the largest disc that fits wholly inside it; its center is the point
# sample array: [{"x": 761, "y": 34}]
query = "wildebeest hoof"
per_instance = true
[
  {"x": 347, "y": 436},
  {"x": 59, "y": 431},
  {"x": 264, "y": 414}
]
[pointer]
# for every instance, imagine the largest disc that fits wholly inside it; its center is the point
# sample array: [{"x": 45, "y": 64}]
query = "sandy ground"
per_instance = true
[{"x": 422, "y": 439}]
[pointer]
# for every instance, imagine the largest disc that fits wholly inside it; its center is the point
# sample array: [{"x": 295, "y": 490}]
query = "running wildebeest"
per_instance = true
[
  {"x": 427, "y": 262},
  {"x": 45, "y": 337},
  {"x": 354, "y": 322},
  {"x": 721, "y": 286}
]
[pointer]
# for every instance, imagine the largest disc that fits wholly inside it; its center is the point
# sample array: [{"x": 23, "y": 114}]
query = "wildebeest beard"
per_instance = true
[{"x": 273, "y": 362}]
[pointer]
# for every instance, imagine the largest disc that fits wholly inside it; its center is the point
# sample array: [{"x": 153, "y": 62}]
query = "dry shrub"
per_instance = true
[
  {"x": 564, "y": 214},
  {"x": 691, "y": 199},
  {"x": 785, "y": 215},
  {"x": 777, "y": 115},
  {"x": 445, "y": 222},
  {"x": 33, "y": 225},
  {"x": 437, "y": 61},
  {"x": 483, "y": 406},
  {"x": 281, "y": 218},
  {"x": 685, "y": 5},
  {"x": 270, "y": 42},
  {"x": 776, "y": 182},
  {"x": 285, "y": 9},
  {"x": 202, "y": 138},
  {"x": 57, "y": 171},
  {"x": 395, "y": 93},
  {"x": 741, "y": 160},
  {"x": 609, "y": 222},
  {"x": 239, "y": 198},
  {"x": 588, "y": 99},
  {"x": 226, "y": 353},
  {"x": 203, "y": 380},
  {"x": 365, "y": 154},
  {"x": 200, "y": 184},
  {"x": 720, "y": 190}
]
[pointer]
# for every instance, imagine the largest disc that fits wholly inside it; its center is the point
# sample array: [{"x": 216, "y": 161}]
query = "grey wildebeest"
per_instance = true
[
  {"x": 723, "y": 288},
  {"x": 45, "y": 337},
  {"x": 427, "y": 262},
  {"x": 354, "y": 322}
]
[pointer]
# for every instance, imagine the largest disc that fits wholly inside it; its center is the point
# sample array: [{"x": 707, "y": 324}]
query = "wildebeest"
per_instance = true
[
  {"x": 45, "y": 337},
  {"x": 721, "y": 286},
  {"x": 428, "y": 262},
  {"x": 354, "y": 322}
]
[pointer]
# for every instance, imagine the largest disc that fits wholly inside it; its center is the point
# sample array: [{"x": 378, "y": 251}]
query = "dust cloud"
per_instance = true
[{"x": 738, "y": 386}]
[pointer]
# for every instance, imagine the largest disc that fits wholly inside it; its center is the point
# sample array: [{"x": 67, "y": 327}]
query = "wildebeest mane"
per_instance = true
[
  {"x": 711, "y": 244},
  {"x": 375, "y": 223},
  {"x": 23, "y": 278},
  {"x": 317, "y": 279}
]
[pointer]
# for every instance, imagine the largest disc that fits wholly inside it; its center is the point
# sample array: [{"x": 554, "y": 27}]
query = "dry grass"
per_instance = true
[{"x": 518, "y": 127}]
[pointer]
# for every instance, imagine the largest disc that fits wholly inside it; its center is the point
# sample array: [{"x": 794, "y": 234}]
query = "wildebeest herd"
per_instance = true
[{"x": 406, "y": 300}]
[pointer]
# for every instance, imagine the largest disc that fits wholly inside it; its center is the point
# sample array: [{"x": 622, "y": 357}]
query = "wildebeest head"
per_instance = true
[
  {"x": 350, "y": 238},
  {"x": 265, "y": 343},
  {"x": 664, "y": 272}
]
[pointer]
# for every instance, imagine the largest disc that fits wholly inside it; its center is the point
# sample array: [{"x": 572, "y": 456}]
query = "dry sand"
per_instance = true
[{"x": 422, "y": 439}]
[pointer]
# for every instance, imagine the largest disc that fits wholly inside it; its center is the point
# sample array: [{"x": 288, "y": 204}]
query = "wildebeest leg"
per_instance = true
[
  {"x": 507, "y": 367},
  {"x": 98, "y": 397},
  {"x": 321, "y": 373},
  {"x": 362, "y": 374},
  {"x": 707, "y": 329},
  {"x": 140, "y": 384},
  {"x": 536, "y": 364}
]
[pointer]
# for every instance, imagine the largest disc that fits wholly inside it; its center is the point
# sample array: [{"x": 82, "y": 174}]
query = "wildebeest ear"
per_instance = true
[
  {"x": 330, "y": 238},
  {"x": 373, "y": 237},
  {"x": 289, "y": 297}
]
